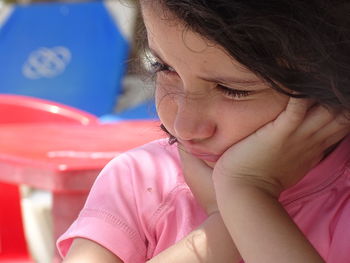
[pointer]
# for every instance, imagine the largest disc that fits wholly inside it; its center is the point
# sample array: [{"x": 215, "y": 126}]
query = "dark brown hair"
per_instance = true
[{"x": 300, "y": 45}]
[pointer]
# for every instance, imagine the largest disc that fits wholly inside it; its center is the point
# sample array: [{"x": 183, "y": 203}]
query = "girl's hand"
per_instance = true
[
  {"x": 198, "y": 177},
  {"x": 279, "y": 154},
  {"x": 211, "y": 242},
  {"x": 251, "y": 174}
]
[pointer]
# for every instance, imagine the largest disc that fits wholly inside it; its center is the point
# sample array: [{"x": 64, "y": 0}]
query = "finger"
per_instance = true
[
  {"x": 297, "y": 108},
  {"x": 333, "y": 132},
  {"x": 295, "y": 112},
  {"x": 193, "y": 163},
  {"x": 333, "y": 140},
  {"x": 316, "y": 119},
  {"x": 198, "y": 178}
]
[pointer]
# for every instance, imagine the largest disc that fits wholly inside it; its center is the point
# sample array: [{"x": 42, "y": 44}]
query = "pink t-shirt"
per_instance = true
[{"x": 140, "y": 205}]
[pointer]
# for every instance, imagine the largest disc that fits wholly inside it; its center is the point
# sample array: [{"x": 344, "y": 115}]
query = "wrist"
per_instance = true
[
  {"x": 238, "y": 182},
  {"x": 218, "y": 242}
]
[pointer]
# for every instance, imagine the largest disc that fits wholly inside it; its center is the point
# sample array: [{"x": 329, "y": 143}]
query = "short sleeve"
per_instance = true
[
  {"x": 124, "y": 201},
  {"x": 109, "y": 216}
]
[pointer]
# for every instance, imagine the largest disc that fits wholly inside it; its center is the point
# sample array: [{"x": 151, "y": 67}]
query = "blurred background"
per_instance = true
[
  {"x": 64, "y": 65},
  {"x": 73, "y": 46}
]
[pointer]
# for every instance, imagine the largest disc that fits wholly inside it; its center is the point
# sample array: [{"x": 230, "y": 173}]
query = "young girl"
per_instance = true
[{"x": 255, "y": 98}]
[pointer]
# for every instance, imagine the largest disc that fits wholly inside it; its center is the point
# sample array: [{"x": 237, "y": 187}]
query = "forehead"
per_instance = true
[
  {"x": 176, "y": 44},
  {"x": 164, "y": 29}
]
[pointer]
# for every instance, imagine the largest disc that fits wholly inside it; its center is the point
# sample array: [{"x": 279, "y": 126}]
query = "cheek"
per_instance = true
[
  {"x": 166, "y": 107},
  {"x": 167, "y": 88},
  {"x": 234, "y": 120},
  {"x": 239, "y": 120},
  {"x": 267, "y": 109}
]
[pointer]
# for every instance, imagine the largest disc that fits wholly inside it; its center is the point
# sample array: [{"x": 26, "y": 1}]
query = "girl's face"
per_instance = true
[{"x": 204, "y": 98}]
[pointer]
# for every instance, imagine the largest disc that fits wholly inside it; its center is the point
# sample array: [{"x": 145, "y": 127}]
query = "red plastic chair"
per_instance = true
[
  {"x": 22, "y": 109},
  {"x": 13, "y": 246}
]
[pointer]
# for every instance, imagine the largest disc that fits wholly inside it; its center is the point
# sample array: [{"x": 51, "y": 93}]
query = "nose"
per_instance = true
[{"x": 193, "y": 121}]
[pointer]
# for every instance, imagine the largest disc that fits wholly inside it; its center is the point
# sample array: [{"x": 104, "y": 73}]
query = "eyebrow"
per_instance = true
[
  {"x": 215, "y": 79},
  {"x": 232, "y": 80}
]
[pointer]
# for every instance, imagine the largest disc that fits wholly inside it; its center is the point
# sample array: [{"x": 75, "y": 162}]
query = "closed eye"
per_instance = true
[
  {"x": 233, "y": 93},
  {"x": 157, "y": 67}
]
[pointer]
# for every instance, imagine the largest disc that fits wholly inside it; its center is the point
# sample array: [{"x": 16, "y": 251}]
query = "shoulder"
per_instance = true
[
  {"x": 320, "y": 204},
  {"x": 143, "y": 176},
  {"x": 155, "y": 162},
  {"x": 329, "y": 174},
  {"x": 125, "y": 198},
  {"x": 157, "y": 153}
]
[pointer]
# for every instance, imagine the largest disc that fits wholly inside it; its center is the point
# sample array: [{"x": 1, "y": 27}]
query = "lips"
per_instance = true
[{"x": 205, "y": 156}]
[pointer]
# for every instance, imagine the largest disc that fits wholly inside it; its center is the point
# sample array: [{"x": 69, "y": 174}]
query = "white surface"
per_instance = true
[
  {"x": 135, "y": 91},
  {"x": 5, "y": 12},
  {"x": 124, "y": 15},
  {"x": 36, "y": 210}
]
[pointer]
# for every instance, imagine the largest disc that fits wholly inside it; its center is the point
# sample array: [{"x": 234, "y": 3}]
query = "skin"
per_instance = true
[
  {"x": 253, "y": 143},
  {"x": 252, "y": 173},
  {"x": 250, "y": 135},
  {"x": 195, "y": 110}
]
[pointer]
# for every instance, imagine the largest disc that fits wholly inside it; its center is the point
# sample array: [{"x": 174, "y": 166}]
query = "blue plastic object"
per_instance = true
[
  {"x": 72, "y": 53},
  {"x": 142, "y": 111}
]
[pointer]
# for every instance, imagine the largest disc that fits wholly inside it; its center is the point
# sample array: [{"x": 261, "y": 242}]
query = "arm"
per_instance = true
[
  {"x": 87, "y": 251},
  {"x": 203, "y": 245},
  {"x": 261, "y": 228},
  {"x": 250, "y": 175},
  {"x": 210, "y": 243}
]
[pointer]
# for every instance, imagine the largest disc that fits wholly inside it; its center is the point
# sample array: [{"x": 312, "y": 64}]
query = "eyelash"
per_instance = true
[
  {"x": 157, "y": 67},
  {"x": 234, "y": 93}
]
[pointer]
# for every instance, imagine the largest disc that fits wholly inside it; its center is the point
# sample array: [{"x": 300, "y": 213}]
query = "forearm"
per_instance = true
[
  {"x": 211, "y": 242},
  {"x": 259, "y": 225}
]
